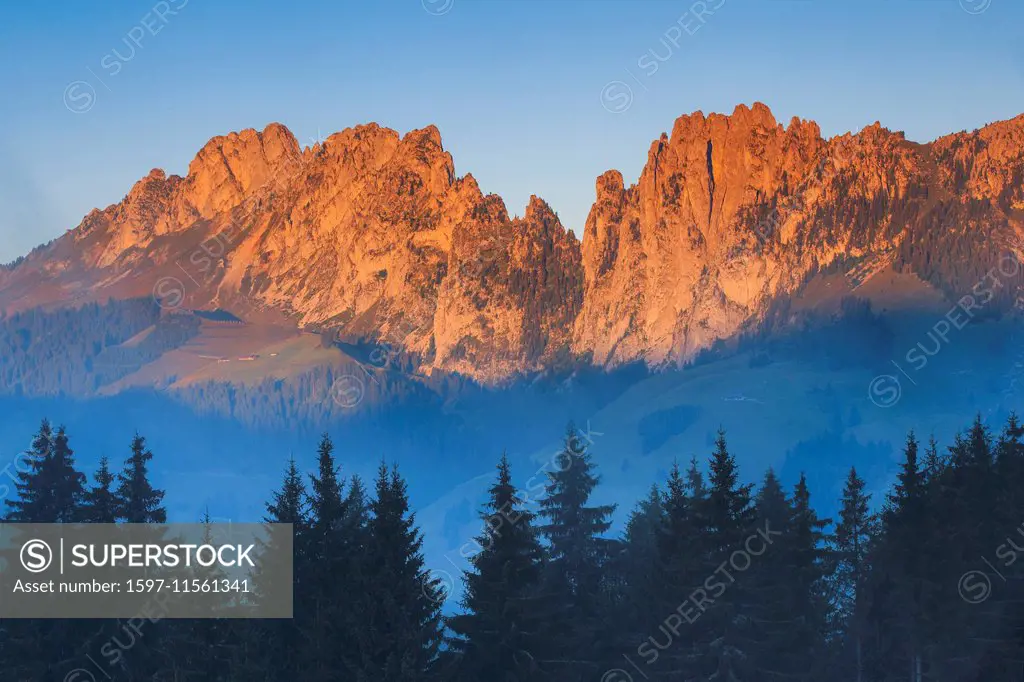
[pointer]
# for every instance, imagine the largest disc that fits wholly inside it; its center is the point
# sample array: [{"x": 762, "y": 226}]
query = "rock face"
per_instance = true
[
  {"x": 669, "y": 262},
  {"x": 368, "y": 233},
  {"x": 373, "y": 235},
  {"x": 733, "y": 212}
]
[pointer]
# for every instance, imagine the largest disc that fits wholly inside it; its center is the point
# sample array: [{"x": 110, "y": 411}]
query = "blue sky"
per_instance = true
[{"x": 514, "y": 85}]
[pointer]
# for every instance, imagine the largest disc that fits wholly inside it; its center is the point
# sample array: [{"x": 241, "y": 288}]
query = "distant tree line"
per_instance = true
[
  {"x": 322, "y": 394},
  {"x": 12, "y": 264},
  {"x": 75, "y": 351},
  {"x": 851, "y": 335},
  {"x": 711, "y": 580}
]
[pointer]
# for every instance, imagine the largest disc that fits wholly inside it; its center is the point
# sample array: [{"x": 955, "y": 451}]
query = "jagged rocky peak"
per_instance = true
[
  {"x": 710, "y": 167},
  {"x": 733, "y": 211},
  {"x": 512, "y": 290},
  {"x": 652, "y": 252},
  {"x": 609, "y": 185},
  {"x": 230, "y": 167},
  {"x": 985, "y": 164},
  {"x": 373, "y": 234},
  {"x": 148, "y": 199},
  {"x": 369, "y": 147}
]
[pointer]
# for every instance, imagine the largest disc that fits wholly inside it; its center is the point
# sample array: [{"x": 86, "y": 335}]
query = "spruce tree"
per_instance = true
[
  {"x": 769, "y": 589},
  {"x": 402, "y": 630},
  {"x": 854, "y": 536},
  {"x": 203, "y": 648},
  {"x": 328, "y": 643},
  {"x": 938, "y": 529},
  {"x": 500, "y": 635},
  {"x": 678, "y": 570},
  {"x": 986, "y": 630},
  {"x": 357, "y": 514},
  {"x": 771, "y": 504},
  {"x": 632, "y": 576},
  {"x": 355, "y": 529},
  {"x": 100, "y": 504},
  {"x": 68, "y": 483},
  {"x": 50, "y": 491},
  {"x": 31, "y": 499},
  {"x": 637, "y": 561},
  {"x": 573, "y": 529},
  {"x": 728, "y": 519},
  {"x": 578, "y": 555},
  {"x": 138, "y": 500},
  {"x": 933, "y": 462},
  {"x": 273, "y": 649},
  {"x": 1006, "y": 619},
  {"x": 326, "y": 501},
  {"x": 808, "y": 561},
  {"x": 897, "y": 603},
  {"x": 728, "y": 504},
  {"x": 695, "y": 483}
]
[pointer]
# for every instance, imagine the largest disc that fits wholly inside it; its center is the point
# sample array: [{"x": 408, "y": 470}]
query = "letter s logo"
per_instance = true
[{"x": 36, "y": 556}]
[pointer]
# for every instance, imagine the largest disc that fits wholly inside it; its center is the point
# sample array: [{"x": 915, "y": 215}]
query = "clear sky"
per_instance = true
[{"x": 530, "y": 95}]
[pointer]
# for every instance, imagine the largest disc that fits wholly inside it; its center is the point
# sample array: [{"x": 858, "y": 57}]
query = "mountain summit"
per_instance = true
[{"x": 373, "y": 236}]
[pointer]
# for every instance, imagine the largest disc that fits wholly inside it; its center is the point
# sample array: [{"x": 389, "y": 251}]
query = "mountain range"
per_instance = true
[{"x": 736, "y": 222}]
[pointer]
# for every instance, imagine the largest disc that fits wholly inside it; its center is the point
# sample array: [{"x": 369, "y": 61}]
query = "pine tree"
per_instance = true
[
  {"x": 769, "y": 588},
  {"x": 573, "y": 529},
  {"x": 138, "y": 500},
  {"x": 578, "y": 554},
  {"x": 695, "y": 483},
  {"x": 933, "y": 462},
  {"x": 808, "y": 560},
  {"x": 636, "y": 563},
  {"x": 328, "y": 643},
  {"x": 33, "y": 499},
  {"x": 1006, "y": 619},
  {"x": 50, "y": 491},
  {"x": 203, "y": 648},
  {"x": 100, "y": 504},
  {"x": 669, "y": 647},
  {"x": 357, "y": 514},
  {"x": 898, "y": 602},
  {"x": 403, "y": 632},
  {"x": 501, "y": 634},
  {"x": 854, "y": 536},
  {"x": 634, "y": 577},
  {"x": 973, "y": 490},
  {"x": 355, "y": 529},
  {"x": 273, "y": 649},
  {"x": 728, "y": 519}
]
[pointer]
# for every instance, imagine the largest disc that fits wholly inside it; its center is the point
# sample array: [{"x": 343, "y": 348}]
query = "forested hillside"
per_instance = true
[{"x": 75, "y": 351}]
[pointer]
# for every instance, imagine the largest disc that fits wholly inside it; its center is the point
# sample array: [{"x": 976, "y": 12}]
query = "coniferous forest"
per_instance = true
[{"x": 711, "y": 579}]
